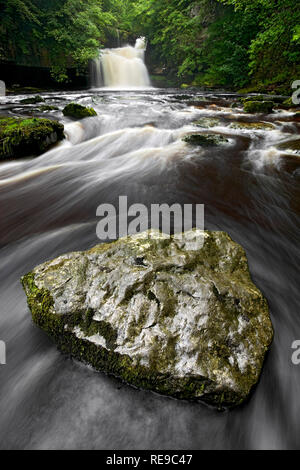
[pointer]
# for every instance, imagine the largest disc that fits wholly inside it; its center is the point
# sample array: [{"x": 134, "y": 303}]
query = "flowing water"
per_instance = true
[
  {"x": 122, "y": 67},
  {"x": 48, "y": 204}
]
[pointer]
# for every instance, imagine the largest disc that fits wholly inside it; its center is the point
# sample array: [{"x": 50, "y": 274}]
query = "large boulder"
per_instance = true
[
  {"x": 178, "y": 317},
  {"x": 20, "y": 138}
]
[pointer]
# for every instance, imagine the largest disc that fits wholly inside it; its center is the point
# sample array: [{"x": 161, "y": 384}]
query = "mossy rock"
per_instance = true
[
  {"x": 27, "y": 137},
  {"x": 48, "y": 107},
  {"x": 179, "y": 316},
  {"x": 289, "y": 104},
  {"x": 275, "y": 99},
  {"x": 207, "y": 123},
  {"x": 263, "y": 107},
  {"x": 252, "y": 125},
  {"x": 33, "y": 100},
  {"x": 78, "y": 111},
  {"x": 205, "y": 140}
]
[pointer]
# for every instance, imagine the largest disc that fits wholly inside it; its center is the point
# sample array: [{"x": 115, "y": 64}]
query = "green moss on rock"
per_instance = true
[
  {"x": 48, "y": 107},
  {"x": 289, "y": 104},
  {"x": 33, "y": 100},
  {"x": 205, "y": 140},
  {"x": 264, "y": 107},
  {"x": 27, "y": 137},
  {"x": 207, "y": 122},
  {"x": 78, "y": 111}
]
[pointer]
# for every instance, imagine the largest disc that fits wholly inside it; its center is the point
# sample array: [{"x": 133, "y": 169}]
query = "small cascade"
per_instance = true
[{"x": 122, "y": 67}]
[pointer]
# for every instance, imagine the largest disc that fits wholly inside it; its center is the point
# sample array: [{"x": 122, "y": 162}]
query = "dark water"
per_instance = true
[{"x": 48, "y": 207}]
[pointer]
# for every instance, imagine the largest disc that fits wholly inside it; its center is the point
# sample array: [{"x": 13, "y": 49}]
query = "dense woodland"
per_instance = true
[{"x": 223, "y": 43}]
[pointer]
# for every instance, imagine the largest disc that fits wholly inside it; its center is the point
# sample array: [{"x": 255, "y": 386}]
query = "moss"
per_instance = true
[
  {"x": 47, "y": 107},
  {"x": 289, "y": 104},
  {"x": 275, "y": 99},
  {"x": 33, "y": 100},
  {"x": 78, "y": 111},
  {"x": 205, "y": 140},
  {"x": 23, "y": 137},
  {"x": 265, "y": 107}
]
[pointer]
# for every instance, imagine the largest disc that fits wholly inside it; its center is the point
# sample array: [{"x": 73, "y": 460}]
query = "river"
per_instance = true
[{"x": 48, "y": 207}]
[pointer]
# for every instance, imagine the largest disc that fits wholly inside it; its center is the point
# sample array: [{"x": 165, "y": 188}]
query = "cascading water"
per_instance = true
[{"x": 122, "y": 67}]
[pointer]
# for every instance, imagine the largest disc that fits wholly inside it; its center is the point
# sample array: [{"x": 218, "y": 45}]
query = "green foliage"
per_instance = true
[
  {"x": 274, "y": 51},
  {"x": 58, "y": 33},
  {"x": 228, "y": 43}
]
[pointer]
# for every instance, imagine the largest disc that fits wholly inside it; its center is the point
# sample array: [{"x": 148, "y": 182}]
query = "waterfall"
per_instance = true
[{"x": 122, "y": 67}]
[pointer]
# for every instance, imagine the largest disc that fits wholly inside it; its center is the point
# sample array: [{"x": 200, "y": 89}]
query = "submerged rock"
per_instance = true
[
  {"x": 27, "y": 137},
  {"x": 78, "y": 111},
  {"x": 252, "y": 125},
  {"x": 293, "y": 145},
  {"x": 264, "y": 107},
  {"x": 205, "y": 140},
  {"x": 179, "y": 317},
  {"x": 207, "y": 122}
]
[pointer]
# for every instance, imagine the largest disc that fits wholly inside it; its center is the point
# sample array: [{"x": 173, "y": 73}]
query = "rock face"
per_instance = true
[
  {"x": 162, "y": 314},
  {"x": 77, "y": 111},
  {"x": 20, "y": 138}
]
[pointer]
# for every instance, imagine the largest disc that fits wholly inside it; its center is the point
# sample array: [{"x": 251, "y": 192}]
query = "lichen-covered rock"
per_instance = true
[
  {"x": 78, "y": 111},
  {"x": 179, "y": 317},
  {"x": 20, "y": 138},
  {"x": 263, "y": 107},
  {"x": 205, "y": 140}
]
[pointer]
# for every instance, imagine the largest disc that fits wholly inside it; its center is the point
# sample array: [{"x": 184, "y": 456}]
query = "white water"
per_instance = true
[
  {"x": 48, "y": 207},
  {"x": 121, "y": 68}
]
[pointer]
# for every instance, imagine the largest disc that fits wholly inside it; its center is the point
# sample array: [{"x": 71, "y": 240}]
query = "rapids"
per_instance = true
[{"x": 48, "y": 205}]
